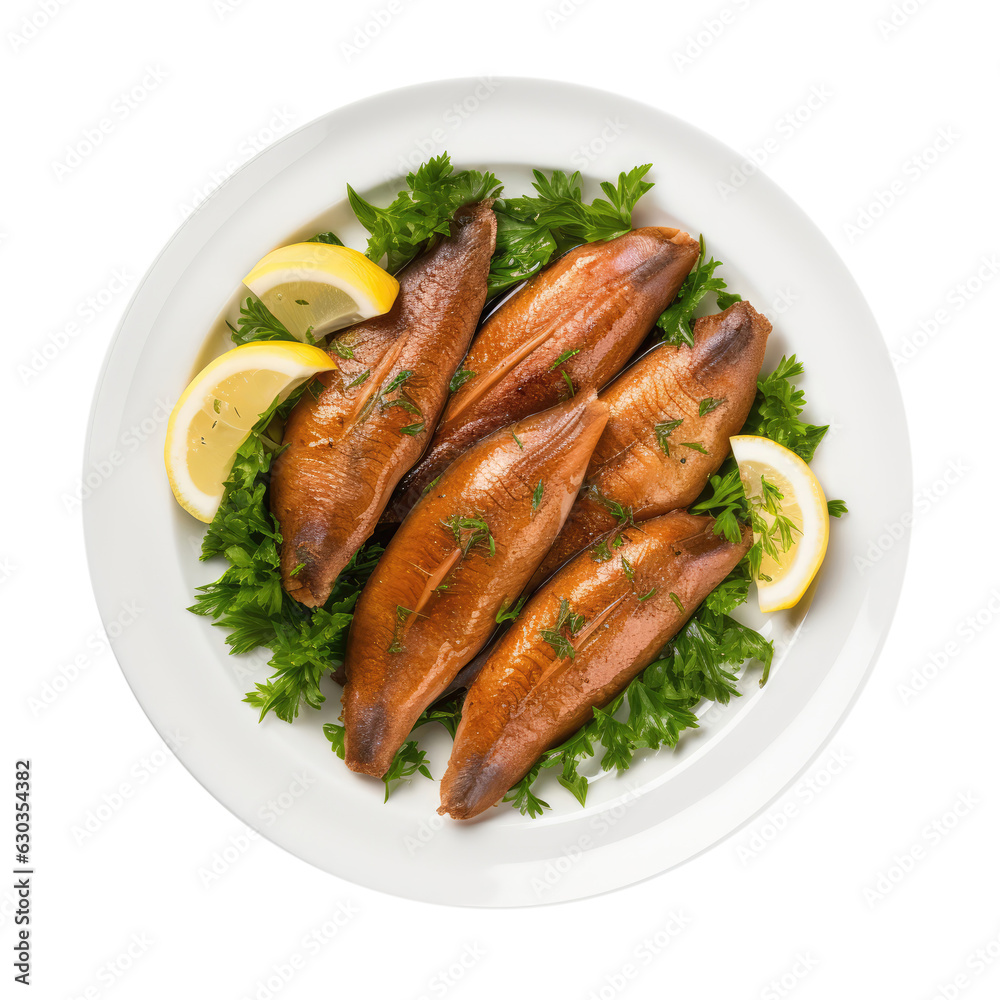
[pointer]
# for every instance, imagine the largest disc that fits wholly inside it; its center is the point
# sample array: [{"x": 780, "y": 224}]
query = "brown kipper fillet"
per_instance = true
[
  {"x": 350, "y": 441},
  {"x": 462, "y": 556},
  {"x": 530, "y": 697},
  {"x": 576, "y": 323},
  {"x": 658, "y": 448}
]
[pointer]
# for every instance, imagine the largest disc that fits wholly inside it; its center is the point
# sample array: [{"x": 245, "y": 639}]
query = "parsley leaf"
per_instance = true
[
  {"x": 531, "y": 229},
  {"x": 524, "y": 800},
  {"x": 421, "y": 212},
  {"x": 775, "y": 413},
  {"x": 559, "y": 205},
  {"x": 623, "y": 514},
  {"x": 256, "y": 323},
  {"x": 676, "y": 319},
  {"x": 330, "y": 238},
  {"x": 408, "y": 761},
  {"x": 601, "y": 552},
  {"x": 523, "y": 247}
]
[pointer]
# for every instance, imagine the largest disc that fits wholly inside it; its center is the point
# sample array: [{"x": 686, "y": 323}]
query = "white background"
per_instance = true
[{"x": 883, "y": 877}]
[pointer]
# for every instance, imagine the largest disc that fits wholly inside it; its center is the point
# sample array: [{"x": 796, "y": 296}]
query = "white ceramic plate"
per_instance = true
[{"x": 283, "y": 780}]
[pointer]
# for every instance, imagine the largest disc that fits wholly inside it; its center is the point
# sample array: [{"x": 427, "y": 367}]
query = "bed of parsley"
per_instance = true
[{"x": 701, "y": 663}]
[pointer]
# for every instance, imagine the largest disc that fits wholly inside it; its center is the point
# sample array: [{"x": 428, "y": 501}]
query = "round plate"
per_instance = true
[{"x": 283, "y": 779}]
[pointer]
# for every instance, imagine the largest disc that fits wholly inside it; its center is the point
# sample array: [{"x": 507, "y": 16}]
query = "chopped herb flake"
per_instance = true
[
  {"x": 663, "y": 432},
  {"x": 459, "y": 379},
  {"x": 562, "y": 359},
  {"x": 555, "y": 637}
]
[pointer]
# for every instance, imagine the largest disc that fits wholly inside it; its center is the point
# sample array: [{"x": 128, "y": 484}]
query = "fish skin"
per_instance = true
[
  {"x": 345, "y": 453},
  {"x": 600, "y": 299},
  {"x": 629, "y": 467},
  {"x": 495, "y": 479},
  {"x": 526, "y": 699}
]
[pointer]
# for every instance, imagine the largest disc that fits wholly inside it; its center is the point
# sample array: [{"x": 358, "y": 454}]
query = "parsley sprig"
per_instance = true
[
  {"x": 776, "y": 410},
  {"x": 421, "y": 212},
  {"x": 773, "y": 531},
  {"x": 532, "y": 229},
  {"x": 248, "y": 601},
  {"x": 256, "y": 323},
  {"x": 559, "y": 207},
  {"x": 676, "y": 319},
  {"x": 409, "y": 759}
]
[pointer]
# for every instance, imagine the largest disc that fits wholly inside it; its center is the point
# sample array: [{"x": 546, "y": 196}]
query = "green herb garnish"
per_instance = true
[
  {"x": 459, "y": 379},
  {"x": 663, "y": 432},
  {"x": 434, "y": 191},
  {"x": 508, "y": 614},
  {"x": 470, "y": 531},
  {"x": 562, "y": 359},
  {"x": 255, "y": 324},
  {"x": 331, "y": 238},
  {"x": 676, "y": 319},
  {"x": 248, "y": 601},
  {"x": 555, "y": 636},
  {"x": 341, "y": 349}
]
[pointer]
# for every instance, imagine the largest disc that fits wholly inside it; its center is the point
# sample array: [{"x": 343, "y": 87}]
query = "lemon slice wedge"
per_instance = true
[
  {"x": 219, "y": 408},
  {"x": 784, "y": 577},
  {"x": 318, "y": 288}
]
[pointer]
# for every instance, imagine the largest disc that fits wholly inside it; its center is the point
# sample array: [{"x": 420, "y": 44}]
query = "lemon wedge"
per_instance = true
[
  {"x": 217, "y": 411},
  {"x": 785, "y": 578},
  {"x": 318, "y": 288}
]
